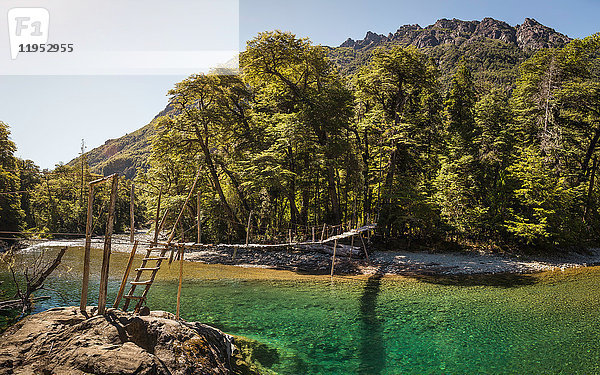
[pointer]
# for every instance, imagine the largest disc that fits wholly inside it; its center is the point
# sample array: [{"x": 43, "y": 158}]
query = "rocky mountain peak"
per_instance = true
[
  {"x": 531, "y": 35},
  {"x": 348, "y": 43},
  {"x": 495, "y": 29},
  {"x": 455, "y": 25}
]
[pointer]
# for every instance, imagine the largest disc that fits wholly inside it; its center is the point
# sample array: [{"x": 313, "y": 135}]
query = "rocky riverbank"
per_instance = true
[
  {"x": 384, "y": 262},
  {"x": 64, "y": 341}
]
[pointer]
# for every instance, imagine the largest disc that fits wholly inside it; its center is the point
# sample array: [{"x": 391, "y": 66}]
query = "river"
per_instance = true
[{"x": 543, "y": 323}]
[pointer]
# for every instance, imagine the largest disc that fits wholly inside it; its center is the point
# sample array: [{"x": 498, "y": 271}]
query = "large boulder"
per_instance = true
[{"x": 64, "y": 341}]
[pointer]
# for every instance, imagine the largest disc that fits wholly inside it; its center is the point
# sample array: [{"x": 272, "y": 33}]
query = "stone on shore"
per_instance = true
[{"x": 63, "y": 341}]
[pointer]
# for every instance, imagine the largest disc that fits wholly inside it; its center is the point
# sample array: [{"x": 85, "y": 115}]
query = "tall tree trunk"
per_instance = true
[
  {"x": 389, "y": 178},
  {"x": 367, "y": 190},
  {"x": 236, "y": 186},
  {"x": 305, "y": 203},
  {"x": 214, "y": 176},
  {"x": 333, "y": 195},
  {"x": 294, "y": 214},
  {"x": 590, "y": 190},
  {"x": 588, "y": 155}
]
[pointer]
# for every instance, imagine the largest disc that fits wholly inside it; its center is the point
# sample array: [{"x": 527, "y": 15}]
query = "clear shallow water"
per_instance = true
[{"x": 548, "y": 323}]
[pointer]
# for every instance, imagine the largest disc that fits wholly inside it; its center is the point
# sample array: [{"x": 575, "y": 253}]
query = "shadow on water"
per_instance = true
[
  {"x": 372, "y": 351},
  {"x": 500, "y": 280}
]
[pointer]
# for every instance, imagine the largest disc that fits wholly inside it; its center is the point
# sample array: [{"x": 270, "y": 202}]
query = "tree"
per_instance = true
[
  {"x": 11, "y": 214},
  {"x": 398, "y": 106},
  {"x": 460, "y": 113},
  {"x": 545, "y": 209},
  {"x": 306, "y": 109},
  {"x": 557, "y": 123},
  {"x": 29, "y": 176},
  {"x": 28, "y": 276}
]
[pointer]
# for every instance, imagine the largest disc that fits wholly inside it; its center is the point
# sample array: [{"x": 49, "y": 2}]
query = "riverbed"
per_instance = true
[{"x": 546, "y": 322}]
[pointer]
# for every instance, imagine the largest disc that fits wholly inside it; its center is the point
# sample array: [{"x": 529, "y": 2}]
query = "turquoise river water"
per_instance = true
[{"x": 527, "y": 324}]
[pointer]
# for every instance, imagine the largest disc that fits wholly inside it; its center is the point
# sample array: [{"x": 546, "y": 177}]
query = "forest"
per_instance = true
[{"x": 291, "y": 143}]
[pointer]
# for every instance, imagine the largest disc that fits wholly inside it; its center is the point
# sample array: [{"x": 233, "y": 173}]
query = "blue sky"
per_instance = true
[{"x": 49, "y": 115}]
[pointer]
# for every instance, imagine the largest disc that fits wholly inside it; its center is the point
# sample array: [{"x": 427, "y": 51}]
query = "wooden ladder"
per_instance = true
[{"x": 138, "y": 278}]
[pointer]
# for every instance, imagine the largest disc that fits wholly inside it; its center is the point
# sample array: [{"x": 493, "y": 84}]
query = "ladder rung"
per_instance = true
[
  {"x": 134, "y": 297},
  {"x": 147, "y": 282},
  {"x": 156, "y": 258},
  {"x": 147, "y": 269},
  {"x": 155, "y": 248}
]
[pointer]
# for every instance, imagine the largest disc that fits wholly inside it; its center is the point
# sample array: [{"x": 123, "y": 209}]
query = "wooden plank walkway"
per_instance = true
[{"x": 348, "y": 234}]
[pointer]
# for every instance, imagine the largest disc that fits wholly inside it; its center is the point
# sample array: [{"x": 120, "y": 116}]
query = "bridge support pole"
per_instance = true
[
  {"x": 107, "y": 247},
  {"x": 333, "y": 258}
]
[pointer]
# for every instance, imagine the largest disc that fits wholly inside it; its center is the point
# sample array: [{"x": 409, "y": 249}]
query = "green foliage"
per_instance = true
[
  {"x": 546, "y": 209},
  {"x": 11, "y": 213},
  {"x": 273, "y": 141},
  {"x": 280, "y": 141},
  {"x": 398, "y": 105},
  {"x": 469, "y": 141},
  {"x": 59, "y": 203},
  {"x": 460, "y": 112},
  {"x": 494, "y": 63}
]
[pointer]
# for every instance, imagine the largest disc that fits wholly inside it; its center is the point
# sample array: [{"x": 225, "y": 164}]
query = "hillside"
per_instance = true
[
  {"x": 492, "y": 49},
  {"x": 124, "y": 155}
]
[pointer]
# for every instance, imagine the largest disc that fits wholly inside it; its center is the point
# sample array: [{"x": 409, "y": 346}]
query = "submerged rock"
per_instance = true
[{"x": 63, "y": 341}]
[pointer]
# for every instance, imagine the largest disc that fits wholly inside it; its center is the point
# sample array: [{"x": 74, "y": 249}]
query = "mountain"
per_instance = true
[
  {"x": 124, "y": 155},
  {"x": 492, "y": 49},
  {"x": 531, "y": 35}
]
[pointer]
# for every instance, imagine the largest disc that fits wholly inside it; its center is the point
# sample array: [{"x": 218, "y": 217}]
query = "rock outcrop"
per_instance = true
[
  {"x": 531, "y": 35},
  {"x": 63, "y": 341}
]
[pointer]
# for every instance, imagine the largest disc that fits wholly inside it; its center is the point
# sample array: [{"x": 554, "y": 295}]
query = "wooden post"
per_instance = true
[
  {"x": 333, "y": 258},
  {"x": 86, "y": 253},
  {"x": 180, "y": 280},
  {"x": 172, "y": 255},
  {"x": 107, "y": 245},
  {"x": 289, "y": 236},
  {"x": 248, "y": 229},
  {"x": 198, "y": 218},
  {"x": 313, "y": 234},
  {"x": 131, "y": 215},
  {"x": 323, "y": 232},
  {"x": 183, "y": 208},
  {"x": 364, "y": 247},
  {"x": 157, "y": 218},
  {"x": 354, "y": 218},
  {"x": 125, "y": 276},
  {"x": 351, "y": 245},
  {"x": 162, "y": 222}
]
